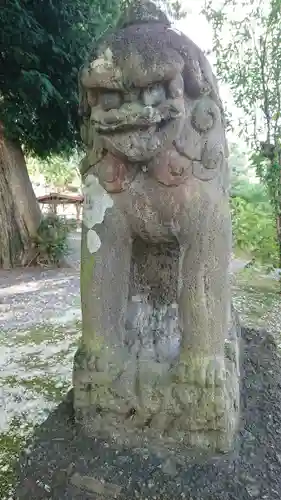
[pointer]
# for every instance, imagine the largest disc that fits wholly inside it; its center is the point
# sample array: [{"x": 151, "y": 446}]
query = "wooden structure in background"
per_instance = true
[{"x": 56, "y": 199}]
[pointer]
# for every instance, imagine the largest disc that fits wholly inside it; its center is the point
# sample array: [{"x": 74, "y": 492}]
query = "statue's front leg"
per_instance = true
[
  {"x": 206, "y": 383},
  {"x": 101, "y": 357}
]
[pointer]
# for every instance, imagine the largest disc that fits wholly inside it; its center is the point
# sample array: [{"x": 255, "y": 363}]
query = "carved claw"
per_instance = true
[{"x": 202, "y": 371}]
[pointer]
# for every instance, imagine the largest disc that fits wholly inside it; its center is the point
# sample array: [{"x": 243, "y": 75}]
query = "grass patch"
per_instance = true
[
  {"x": 45, "y": 333},
  {"x": 12, "y": 444},
  {"x": 52, "y": 346},
  {"x": 50, "y": 388},
  {"x": 255, "y": 296},
  {"x": 256, "y": 277}
]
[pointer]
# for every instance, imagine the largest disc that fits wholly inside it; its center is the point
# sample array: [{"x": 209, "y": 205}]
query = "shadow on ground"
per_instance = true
[{"x": 58, "y": 454}]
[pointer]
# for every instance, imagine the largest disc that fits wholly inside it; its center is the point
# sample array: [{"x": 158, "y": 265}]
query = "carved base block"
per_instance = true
[{"x": 169, "y": 408}]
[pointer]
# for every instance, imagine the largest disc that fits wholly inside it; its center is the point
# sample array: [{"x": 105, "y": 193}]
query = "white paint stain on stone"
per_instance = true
[
  {"x": 96, "y": 202},
  {"x": 93, "y": 241}
]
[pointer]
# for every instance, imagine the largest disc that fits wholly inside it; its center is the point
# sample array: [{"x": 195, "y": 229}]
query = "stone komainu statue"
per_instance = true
[{"x": 158, "y": 358}]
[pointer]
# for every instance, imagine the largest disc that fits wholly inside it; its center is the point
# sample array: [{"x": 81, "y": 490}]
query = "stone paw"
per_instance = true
[
  {"x": 202, "y": 371},
  {"x": 203, "y": 391}
]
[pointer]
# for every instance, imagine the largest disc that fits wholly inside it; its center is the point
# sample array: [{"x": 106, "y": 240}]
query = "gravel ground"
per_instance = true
[
  {"x": 35, "y": 296},
  {"x": 60, "y": 457},
  {"x": 39, "y": 327}
]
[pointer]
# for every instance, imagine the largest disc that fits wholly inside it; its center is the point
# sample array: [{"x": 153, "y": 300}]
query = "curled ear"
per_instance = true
[
  {"x": 206, "y": 115},
  {"x": 207, "y": 120}
]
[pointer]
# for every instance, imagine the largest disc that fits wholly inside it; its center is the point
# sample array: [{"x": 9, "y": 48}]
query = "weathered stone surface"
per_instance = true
[
  {"x": 159, "y": 355},
  {"x": 93, "y": 485}
]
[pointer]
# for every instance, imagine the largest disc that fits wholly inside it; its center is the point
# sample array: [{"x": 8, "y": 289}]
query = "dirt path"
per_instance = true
[{"x": 34, "y": 296}]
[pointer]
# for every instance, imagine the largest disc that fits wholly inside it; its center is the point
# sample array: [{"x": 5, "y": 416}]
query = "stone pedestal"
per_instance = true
[{"x": 142, "y": 396}]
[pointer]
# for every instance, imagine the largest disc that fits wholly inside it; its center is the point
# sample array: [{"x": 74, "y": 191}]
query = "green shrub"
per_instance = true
[
  {"x": 254, "y": 229},
  {"x": 50, "y": 243}
]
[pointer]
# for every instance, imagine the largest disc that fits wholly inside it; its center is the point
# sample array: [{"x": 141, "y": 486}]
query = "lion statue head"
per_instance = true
[{"x": 148, "y": 92}]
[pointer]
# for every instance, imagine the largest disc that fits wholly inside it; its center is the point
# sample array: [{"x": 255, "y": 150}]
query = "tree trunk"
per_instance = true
[{"x": 20, "y": 214}]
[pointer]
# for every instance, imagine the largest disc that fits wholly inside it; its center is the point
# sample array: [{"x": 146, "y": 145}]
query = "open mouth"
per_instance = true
[
  {"x": 111, "y": 129},
  {"x": 126, "y": 119},
  {"x": 137, "y": 132}
]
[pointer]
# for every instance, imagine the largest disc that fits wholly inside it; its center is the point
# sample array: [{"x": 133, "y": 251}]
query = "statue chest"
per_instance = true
[{"x": 155, "y": 211}]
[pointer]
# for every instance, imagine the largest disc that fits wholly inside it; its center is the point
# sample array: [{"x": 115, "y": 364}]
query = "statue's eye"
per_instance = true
[
  {"x": 92, "y": 97},
  {"x": 154, "y": 95},
  {"x": 110, "y": 100}
]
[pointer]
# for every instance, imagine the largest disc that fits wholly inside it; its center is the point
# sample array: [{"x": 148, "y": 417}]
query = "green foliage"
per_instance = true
[
  {"x": 60, "y": 171},
  {"x": 57, "y": 170},
  {"x": 248, "y": 54},
  {"x": 269, "y": 171},
  {"x": 252, "y": 214},
  {"x": 50, "y": 244},
  {"x": 240, "y": 168},
  {"x": 174, "y": 8},
  {"x": 254, "y": 229},
  {"x": 248, "y": 58},
  {"x": 252, "y": 193},
  {"x": 238, "y": 161},
  {"x": 43, "y": 44}
]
